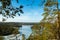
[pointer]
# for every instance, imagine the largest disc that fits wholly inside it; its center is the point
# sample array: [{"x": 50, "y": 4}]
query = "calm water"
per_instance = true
[{"x": 26, "y": 30}]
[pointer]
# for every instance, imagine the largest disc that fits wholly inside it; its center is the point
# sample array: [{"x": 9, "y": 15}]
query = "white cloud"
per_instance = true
[{"x": 32, "y": 16}]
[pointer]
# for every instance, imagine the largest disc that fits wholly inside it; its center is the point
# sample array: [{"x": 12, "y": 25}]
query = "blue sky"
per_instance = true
[{"x": 31, "y": 13}]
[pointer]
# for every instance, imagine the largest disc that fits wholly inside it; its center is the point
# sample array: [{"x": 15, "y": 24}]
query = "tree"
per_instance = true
[
  {"x": 35, "y": 33},
  {"x": 1, "y": 38},
  {"x": 49, "y": 22},
  {"x": 43, "y": 31},
  {"x": 23, "y": 37},
  {"x": 49, "y": 4},
  {"x": 7, "y": 8},
  {"x": 4, "y": 31}
]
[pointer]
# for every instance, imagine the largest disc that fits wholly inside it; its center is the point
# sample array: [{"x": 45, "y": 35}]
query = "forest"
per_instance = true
[{"x": 47, "y": 29}]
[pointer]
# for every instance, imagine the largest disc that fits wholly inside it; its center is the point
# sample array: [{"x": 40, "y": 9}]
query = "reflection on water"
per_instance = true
[{"x": 26, "y": 30}]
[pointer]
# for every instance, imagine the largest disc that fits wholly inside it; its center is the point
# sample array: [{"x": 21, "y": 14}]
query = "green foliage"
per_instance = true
[
  {"x": 7, "y": 8},
  {"x": 23, "y": 37},
  {"x": 51, "y": 18},
  {"x": 1, "y": 38},
  {"x": 44, "y": 31},
  {"x": 46, "y": 9},
  {"x": 50, "y": 3},
  {"x": 6, "y": 2},
  {"x": 4, "y": 31}
]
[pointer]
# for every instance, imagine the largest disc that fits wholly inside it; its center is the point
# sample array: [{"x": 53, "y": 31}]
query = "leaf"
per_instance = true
[
  {"x": 17, "y": 8},
  {"x": 13, "y": 14},
  {"x": 8, "y": 2},
  {"x": 46, "y": 9},
  {"x": 4, "y": 5},
  {"x": 7, "y": 12},
  {"x": 16, "y": 11},
  {"x": 21, "y": 6},
  {"x": 8, "y": 9},
  {"x": 0, "y": 12},
  {"x": 21, "y": 11},
  {"x": 49, "y": 4},
  {"x": 17, "y": 1},
  {"x": 0, "y": 0},
  {"x": 18, "y": 14}
]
